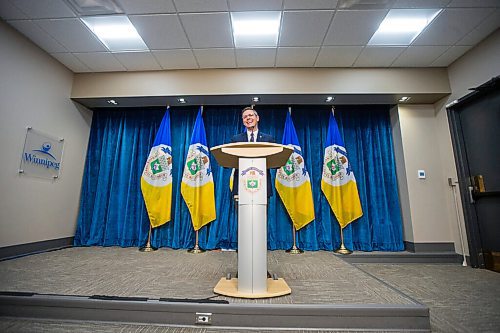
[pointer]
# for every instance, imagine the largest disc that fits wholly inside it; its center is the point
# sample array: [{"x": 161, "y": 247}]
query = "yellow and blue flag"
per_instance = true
[
  {"x": 292, "y": 181},
  {"x": 338, "y": 182},
  {"x": 197, "y": 186},
  {"x": 156, "y": 179}
]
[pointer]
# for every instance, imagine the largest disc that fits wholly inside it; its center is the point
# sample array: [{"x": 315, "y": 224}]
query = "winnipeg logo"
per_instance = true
[
  {"x": 42, "y": 157},
  {"x": 252, "y": 179},
  {"x": 46, "y": 146}
]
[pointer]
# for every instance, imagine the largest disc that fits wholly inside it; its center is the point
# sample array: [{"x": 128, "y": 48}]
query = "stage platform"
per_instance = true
[{"x": 174, "y": 287}]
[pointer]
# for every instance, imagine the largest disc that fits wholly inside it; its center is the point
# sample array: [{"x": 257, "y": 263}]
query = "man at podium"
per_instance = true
[{"x": 250, "y": 119}]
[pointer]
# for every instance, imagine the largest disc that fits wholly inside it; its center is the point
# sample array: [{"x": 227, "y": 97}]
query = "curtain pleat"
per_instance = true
[{"x": 112, "y": 211}]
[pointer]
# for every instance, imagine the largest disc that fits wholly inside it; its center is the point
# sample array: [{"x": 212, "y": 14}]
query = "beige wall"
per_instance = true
[
  {"x": 404, "y": 198},
  {"x": 430, "y": 221},
  {"x": 34, "y": 91},
  {"x": 263, "y": 81}
]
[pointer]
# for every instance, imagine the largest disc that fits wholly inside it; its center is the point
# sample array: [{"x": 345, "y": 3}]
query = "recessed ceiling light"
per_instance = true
[
  {"x": 402, "y": 26},
  {"x": 116, "y": 32},
  {"x": 404, "y": 99},
  {"x": 112, "y": 101},
  {"x": 181, "y": 100},
  {"x": 256, "y": 29},
  {"x": 256, "y": 99},
  {"x": 329, "y": 99}
]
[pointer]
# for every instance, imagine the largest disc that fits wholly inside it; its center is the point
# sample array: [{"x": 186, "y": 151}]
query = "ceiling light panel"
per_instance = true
[
  {"x": 116, "y": 32},
  {"x": 255, "y": 29},
  {"x": 402, "y": 26}
]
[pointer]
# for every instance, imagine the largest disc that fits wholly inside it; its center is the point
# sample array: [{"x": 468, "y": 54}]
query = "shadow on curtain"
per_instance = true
[{"x": 112, "y": 210}]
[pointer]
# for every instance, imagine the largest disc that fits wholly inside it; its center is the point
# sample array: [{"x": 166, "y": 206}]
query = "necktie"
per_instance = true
[{"x": 252, "y": 139}]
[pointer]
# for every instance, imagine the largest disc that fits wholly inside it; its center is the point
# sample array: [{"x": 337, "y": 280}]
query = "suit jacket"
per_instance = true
[{"x": 261, "y": 137}]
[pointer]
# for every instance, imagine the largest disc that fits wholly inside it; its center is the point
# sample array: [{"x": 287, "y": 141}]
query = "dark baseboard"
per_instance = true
[
  {"x": 429, "y": 247},
  {"x": 402, "y": 258},
  {"x": 14, "y": 251}
]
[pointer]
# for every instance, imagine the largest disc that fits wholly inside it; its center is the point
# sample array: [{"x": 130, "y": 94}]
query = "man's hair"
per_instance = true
[{"x": 249, "y": 108}]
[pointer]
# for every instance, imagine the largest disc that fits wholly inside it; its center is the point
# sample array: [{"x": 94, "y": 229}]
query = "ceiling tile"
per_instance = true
[
  {"x": 486, "y": 27},
  {"x": 100, "y": 62},
  {"x": 71, "y": 62},
  {"x": 310, "y": 4},
  {"x": 304, "y": 28},
  {"x": 147, "y": 6},
  {"x": 38, "y": 36},
  {"x": 175, "y": 59},
  {"x": 263, "y": 57},
  {"x": 419, "y": 56},
  {"x": 137, "y": 61},
  {"x": 194, "y": 6},
  {"x": 421, "y": 4},
  {"x": 296, "y": 56},
  {"x": 215, "y": 58},
  {"x": 337, "y": 56},
  {"x": 72, "y": 34},
  {"x": 450, "y": 26},
  {"x": 10, "y": 12},
  {"x": 475, "y": 3},
  {"x": 208, "y": 30},
  {"x": 452, "y": 54},
  {"x": 39, "y": 9},
  {"x": 354, "y": 27},
  {"x": 160, "y": 32},
  {"x": 378, "y": 56},
  {"x": 245, "y": 5}
]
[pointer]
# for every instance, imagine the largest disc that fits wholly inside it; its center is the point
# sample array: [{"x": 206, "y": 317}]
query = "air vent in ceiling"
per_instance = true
[{"x": 94, "y": 7}]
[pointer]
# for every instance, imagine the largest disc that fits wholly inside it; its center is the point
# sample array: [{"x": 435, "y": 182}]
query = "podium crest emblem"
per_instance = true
[{"x": 252, "y": 179}]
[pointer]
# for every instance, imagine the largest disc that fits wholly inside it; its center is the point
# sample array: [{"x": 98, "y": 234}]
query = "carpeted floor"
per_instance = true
[{"x": 461, "y": 299}]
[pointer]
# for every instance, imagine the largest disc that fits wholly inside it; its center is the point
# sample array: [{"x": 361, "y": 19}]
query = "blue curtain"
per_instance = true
[{"x": 112, "y": 210}]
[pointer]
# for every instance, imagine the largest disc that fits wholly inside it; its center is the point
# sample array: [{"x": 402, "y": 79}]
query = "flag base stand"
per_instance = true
[
  {"x": 343, "y": 250},
  {"x": 196, "y": 249},
  {"x": 275, "y": 288},
  {"x": 294, "y": 250},
  {"x": 147, "y": 248}
]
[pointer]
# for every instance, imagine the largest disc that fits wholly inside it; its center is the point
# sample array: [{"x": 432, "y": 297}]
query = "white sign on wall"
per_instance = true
[{"x": 42, "y": 155}]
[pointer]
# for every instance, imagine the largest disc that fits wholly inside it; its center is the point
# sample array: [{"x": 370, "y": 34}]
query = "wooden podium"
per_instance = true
[{"x": 252, "y": 159}]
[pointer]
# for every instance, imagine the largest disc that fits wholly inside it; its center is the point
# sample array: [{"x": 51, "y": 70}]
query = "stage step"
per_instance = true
[{"x": 409, "y": 317}]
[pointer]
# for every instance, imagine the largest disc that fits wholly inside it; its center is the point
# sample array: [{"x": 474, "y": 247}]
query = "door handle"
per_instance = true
[{"x": 471, "y": 195}]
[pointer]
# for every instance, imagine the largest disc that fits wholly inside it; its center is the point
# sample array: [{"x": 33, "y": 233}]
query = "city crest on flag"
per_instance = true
[
  {"x": 156, "y": 179},
  {"x": 337, "y": 171},
  {"x": 292, "y": 181}
]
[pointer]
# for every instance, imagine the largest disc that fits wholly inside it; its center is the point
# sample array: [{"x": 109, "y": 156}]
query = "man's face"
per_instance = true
[{"x": 250, "y": 119}]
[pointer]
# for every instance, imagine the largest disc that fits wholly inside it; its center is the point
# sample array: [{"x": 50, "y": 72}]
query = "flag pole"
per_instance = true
[
  {"x": 148, "y": 247},
  {"x": 196, "y": 249},
  {"x": 294, "y": 249},
  {"x": 342, "y": 249}
]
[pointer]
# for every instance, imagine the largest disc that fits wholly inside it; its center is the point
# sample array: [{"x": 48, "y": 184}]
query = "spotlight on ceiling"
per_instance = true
[
  {"x": 112, "y": 101},
  {"x": 256, "y": 99},
  {"x": 329, "y": 99},
  {"x": 404, "y": 99},
  {"x": 181, "y": 100}
]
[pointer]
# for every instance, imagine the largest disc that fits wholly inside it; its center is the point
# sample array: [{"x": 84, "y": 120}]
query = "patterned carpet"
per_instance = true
[
  {"x": 461, "y": 299},
  {"x": 314, "y": 277}
]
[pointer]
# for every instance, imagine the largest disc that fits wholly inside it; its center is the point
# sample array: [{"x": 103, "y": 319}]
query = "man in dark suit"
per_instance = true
[{"x": 252, "y": 134}]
